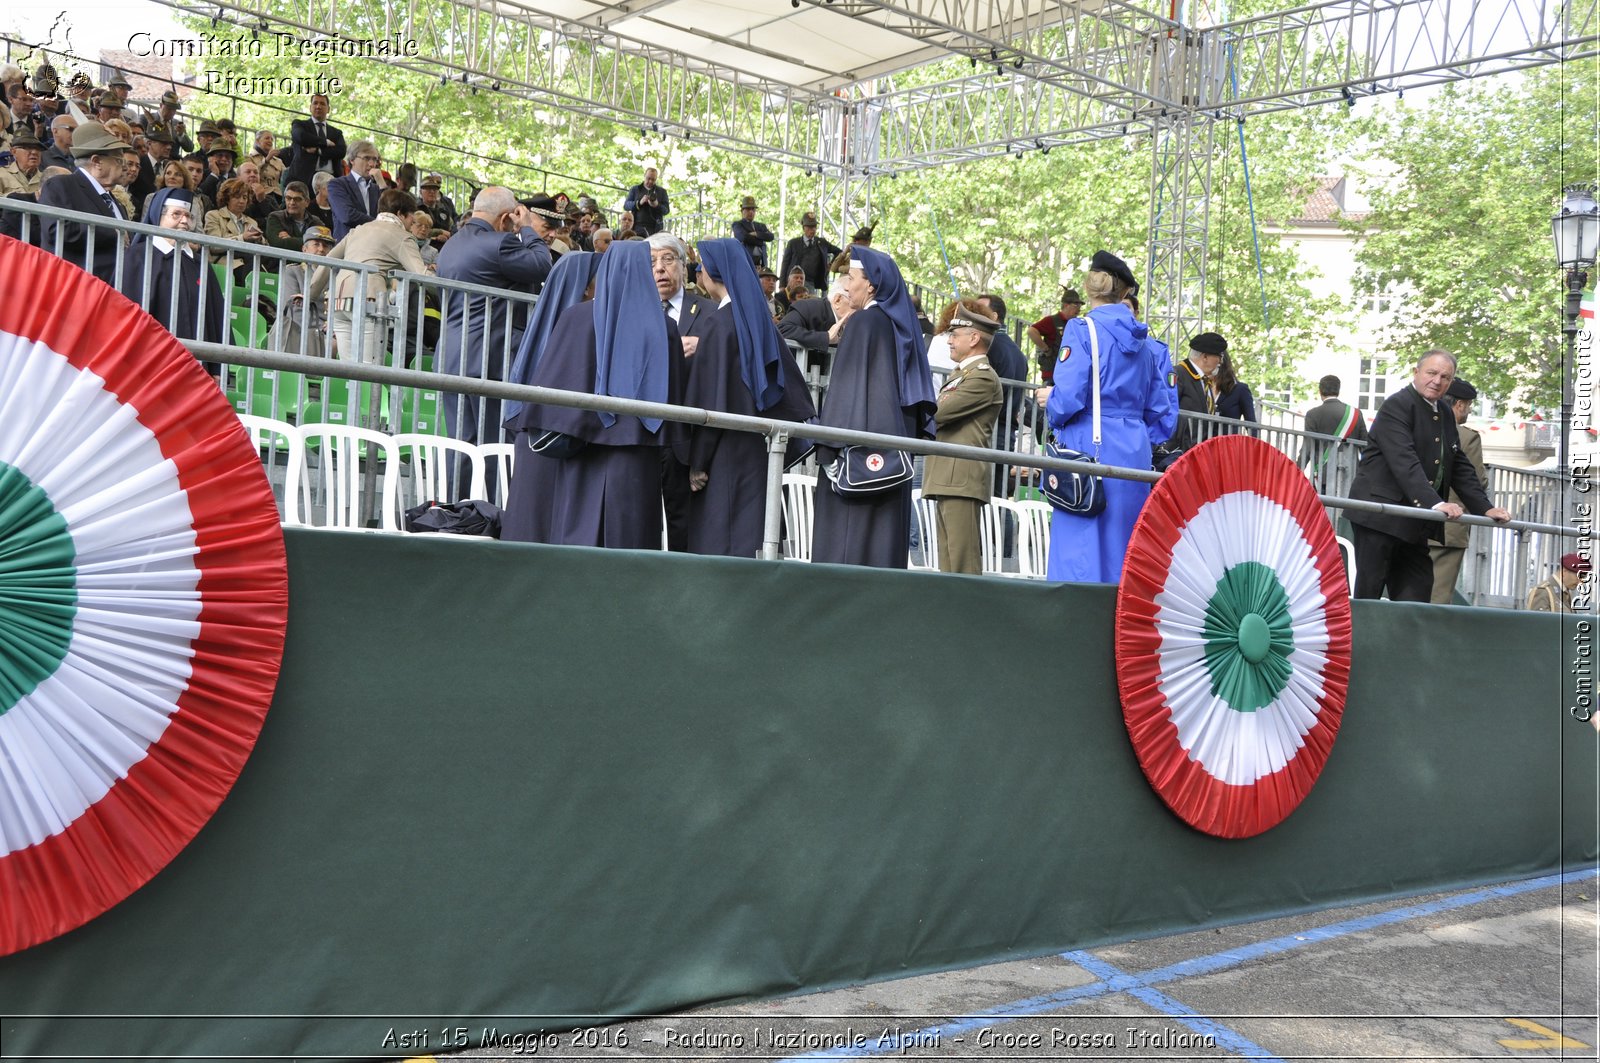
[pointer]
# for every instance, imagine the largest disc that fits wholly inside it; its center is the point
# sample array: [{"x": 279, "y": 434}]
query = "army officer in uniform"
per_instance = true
[
  {"x": 1413, "y": 458},
  {"x": 969, "y": 402}
]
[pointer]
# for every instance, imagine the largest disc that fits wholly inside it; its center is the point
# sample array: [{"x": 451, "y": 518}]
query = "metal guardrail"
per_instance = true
[{"x": 283, "y": 375}]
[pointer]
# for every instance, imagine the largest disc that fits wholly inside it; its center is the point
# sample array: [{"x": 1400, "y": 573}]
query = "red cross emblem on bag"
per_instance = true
[{"x": 874, "y": 462}]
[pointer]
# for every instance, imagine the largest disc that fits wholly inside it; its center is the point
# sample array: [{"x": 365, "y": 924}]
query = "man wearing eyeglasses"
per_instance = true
[
  {"x": 354, "y": 197},
  {"x": 286, "y": 228},
  {"x": 318, "y": 146}
]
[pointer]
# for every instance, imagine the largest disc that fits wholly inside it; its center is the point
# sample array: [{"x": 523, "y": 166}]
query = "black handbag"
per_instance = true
[
  {"x": 1077, "y": 492},
  {"x": 556, "y": 444},
  {"x": 866, "y": 472},
  {"x": 470, "y": 517}
]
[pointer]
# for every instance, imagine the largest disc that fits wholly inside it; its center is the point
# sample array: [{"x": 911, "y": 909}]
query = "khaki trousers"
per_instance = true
[{"x": 960, "y": 544}]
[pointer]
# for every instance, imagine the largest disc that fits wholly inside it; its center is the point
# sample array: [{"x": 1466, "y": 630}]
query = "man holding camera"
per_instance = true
[{"x": 648, "y": 202}]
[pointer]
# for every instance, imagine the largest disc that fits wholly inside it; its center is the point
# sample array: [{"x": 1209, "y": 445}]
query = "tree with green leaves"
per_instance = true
[{"x": 1464, "y": 189}]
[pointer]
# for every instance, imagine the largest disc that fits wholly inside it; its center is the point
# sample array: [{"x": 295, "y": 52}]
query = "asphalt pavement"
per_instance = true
[{"x": 1495, "y": 972}]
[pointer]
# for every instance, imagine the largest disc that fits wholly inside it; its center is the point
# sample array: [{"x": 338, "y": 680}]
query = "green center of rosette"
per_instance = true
[
  {"x": 1249, "y": 637},
  {"x": 38, "y": 586}
]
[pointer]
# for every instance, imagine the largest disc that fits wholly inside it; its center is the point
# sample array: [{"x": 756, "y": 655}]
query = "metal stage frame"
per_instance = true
[{"x": 841, "y": 87}]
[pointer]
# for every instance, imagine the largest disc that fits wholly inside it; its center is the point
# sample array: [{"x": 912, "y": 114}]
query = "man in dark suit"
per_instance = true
[
  {"x": 88, "y": 190},
  {"x": 1197, "y": 393},
  {"x": 691, "y": 314},
  {"x": 1331, "y": 465},
  {"x": 498, "y": 246},
  {"x": 354, "y": 197},
  {"x": 1413, "y": 458},
  {"x": 222, "y": 160},
  {"x": 810, "y": 252},
  {"x": 316, "y": 145},
  {"x": 752, "y": 235},
  {"x": 815, "y": 323}
]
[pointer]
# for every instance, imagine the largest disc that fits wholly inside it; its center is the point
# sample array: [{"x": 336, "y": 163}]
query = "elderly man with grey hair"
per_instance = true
[
  {"x": 498, "y": 246},
  {"x": 354, "y": 197},
  {"x": 690, "y": 312},
  {"x": 60, "y": 151}
]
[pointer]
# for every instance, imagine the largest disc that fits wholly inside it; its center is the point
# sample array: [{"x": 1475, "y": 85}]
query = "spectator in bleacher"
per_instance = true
[
  {"x": 119, "y": 87},
  {"x": 266, "y": 159},
  {"x": 600, "y": 241},
  {"x": 108, "y": 109},
  {"x": 25, "y": 116},
  {"x": 753, "y": 236},
  {"x": 741, "y": 365},
  {"x": 130, "y": 173},
  {"x": 624, "y": 223},
  {"x": 157, "y": 150},
  {"x": 264, "y": 198},
  {"x": 220, "y": 160},
  {"x": 318, "y": 146},
  {"x": 206, "y": 136},
  {"x": 792, "y": 292},
  {"x": 11, "y": 221},
  {"x": 444, "y": 215},
  {"x": 320, "y": 208},
  {"x": 1045, "y": 334},
  {"x": 175, "y": 175},
  {"x": 879, "y": 383},
  {"x": 405, "y": 178},
  {"x": 1138, "y": 408},
  {"x": 228, "y": 133},
  {"x": 354, "y": 197},
  {"x": 607, "y": 492},
  {"x": 23, "y": 174},
  {"x": 301, "y": 323},
  {"x": 500, "y": 245},
  {"x": 171, "y": 286},
  {"x": 386, "y": 244},
  {"x": 231, "y": 219},
  {"x": 1234, "y": 398},
  {"x": 815, "y": 323},
  {"x": 649, "y": 203},
  {"x": 87, "y": 189},
  {"x": 59, "y": 153},
  {"x": 421, "y": 226},
  {"x": 168, "y": 122},
  {"x": 810, "y": 253},
  {"x": 769, "y": 290},
  {"x": 286, "y": 228}
]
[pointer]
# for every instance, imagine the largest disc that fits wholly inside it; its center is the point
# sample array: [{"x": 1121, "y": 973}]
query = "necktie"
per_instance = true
[
  {"x": 111, "y": 204},
  {"x": 808, "y": 241}
]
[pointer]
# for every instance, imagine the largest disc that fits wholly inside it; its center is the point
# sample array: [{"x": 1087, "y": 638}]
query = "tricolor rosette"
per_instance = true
[
  {"x": 1233, "y": 637},
  {"x": 143, "y": 598}
]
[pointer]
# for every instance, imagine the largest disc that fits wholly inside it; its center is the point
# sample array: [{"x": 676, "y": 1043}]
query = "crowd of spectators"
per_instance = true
[{"x": 81, "y": 148}]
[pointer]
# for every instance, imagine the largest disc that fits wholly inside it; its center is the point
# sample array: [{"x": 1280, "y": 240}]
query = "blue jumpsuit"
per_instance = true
[{"x": 1138, "y": 409}]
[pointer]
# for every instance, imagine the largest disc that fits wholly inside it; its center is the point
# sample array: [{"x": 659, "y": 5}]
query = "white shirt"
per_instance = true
[{"x": 675, "y": 306}]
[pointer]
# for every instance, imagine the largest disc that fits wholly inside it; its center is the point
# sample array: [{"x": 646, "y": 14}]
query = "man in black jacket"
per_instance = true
[
  {"x": 815, "y": 323},
  {"x": 88, "y": 190},
  {"x": 1414, "y": 459}
]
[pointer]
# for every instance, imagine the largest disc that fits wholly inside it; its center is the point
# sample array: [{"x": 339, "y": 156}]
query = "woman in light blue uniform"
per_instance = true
[{"x": 1138, "y": 409}]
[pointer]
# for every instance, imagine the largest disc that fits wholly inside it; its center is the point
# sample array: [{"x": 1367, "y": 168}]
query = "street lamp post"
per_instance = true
[{"x": 1576, "y": 228}]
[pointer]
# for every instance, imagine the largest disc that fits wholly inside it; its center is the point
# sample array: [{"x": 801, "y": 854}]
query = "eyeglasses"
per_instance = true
[{"x": 292, "y": 198}]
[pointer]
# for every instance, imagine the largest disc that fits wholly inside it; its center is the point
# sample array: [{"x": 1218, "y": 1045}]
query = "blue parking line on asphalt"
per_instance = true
[
  {"x": 1221, "y": 1036},
  {"x": 1116, "y": 981}
]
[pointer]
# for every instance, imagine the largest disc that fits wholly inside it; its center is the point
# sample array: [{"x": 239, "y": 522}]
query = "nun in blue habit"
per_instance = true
[
  {"x": 607, "y": 492},
  {"x": 170, "y": 275},
  {"x": 880, "y": 383},
  {"x": 567, "y": 285},
  {"x": 741, "y": 366}
]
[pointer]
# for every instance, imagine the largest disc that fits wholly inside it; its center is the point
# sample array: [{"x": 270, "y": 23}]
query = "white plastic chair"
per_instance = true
[
  {"x": 338, "y": 480},
  {"x": 798, "y": 491},
  {"x": 1033, "y": 538},
  {"x": 271, "y": 437},
  {"x": 1348, "y": 549},
  {"x": 992, "y": 536},
  {"x": 926, "y": 511},
  {"x": 432, "y": 458},
  {"x": 497, "y": 458}
]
